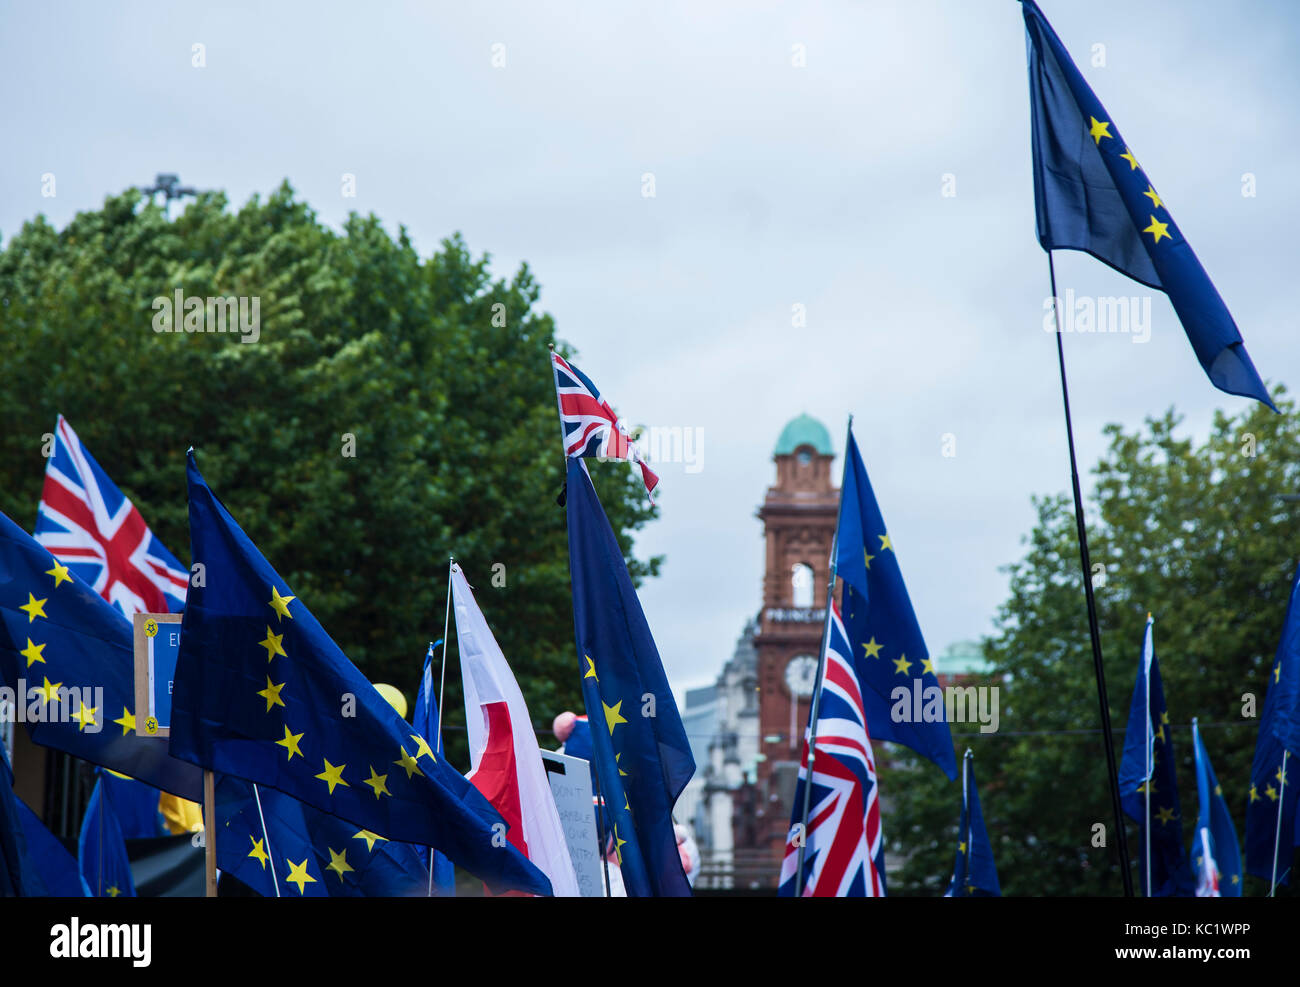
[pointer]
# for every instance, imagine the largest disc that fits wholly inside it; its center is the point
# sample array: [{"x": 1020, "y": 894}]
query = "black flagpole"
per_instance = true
[{"x": 1107, "y": 738}]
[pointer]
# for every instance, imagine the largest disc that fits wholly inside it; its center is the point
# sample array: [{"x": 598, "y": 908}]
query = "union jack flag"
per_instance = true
[
  {"x": 87, "y": 523},
  {"x": 844, "y": 856},
  {"x": 591, "y": 429}
]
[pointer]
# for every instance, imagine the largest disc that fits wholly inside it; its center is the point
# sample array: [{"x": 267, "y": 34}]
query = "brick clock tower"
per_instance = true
[{"x": 798, "y": 515}]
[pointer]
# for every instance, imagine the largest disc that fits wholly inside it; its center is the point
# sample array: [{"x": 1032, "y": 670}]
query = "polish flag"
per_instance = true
[{"x": 506, "y": 761}]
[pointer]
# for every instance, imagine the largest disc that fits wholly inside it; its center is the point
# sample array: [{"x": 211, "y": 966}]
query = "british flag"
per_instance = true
[
  {"x": 591, "y": 429},
  {"x": 844, "y": 853},
  {"x": 87, "y": 523}
]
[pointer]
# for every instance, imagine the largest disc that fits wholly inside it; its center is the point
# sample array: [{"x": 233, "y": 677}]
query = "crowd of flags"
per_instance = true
[{"x": 323, "y": 788}]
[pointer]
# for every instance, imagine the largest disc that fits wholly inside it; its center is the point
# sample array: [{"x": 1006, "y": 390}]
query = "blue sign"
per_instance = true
[{"x": 157, "y": 645}]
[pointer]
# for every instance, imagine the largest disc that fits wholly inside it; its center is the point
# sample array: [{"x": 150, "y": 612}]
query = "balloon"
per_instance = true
[{"x": 394, "y": 697}]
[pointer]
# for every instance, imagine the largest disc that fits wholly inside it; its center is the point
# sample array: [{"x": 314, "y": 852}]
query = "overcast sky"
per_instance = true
[{"x": 775, "y": 185}]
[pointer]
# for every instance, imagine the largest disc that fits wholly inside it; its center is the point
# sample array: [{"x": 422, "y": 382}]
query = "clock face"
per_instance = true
[{"x": 801, "y": 675}]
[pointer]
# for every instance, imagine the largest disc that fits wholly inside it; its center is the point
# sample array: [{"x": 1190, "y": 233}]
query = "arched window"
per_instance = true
[{"x": 801, "y": 581}]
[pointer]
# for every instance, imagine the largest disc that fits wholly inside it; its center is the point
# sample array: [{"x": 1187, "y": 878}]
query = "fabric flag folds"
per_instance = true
[
  {"x": 72, "y": 654},
  {"x": 888, "y": 649},
  {"x": 305, "y": 853},
  {"x": 425, "y": 721},
  {"x": 101, "y": 849},
  {"x": 642, "y": 757},
  {"x": 974, "y": 874},
  {"x": 843, "y": 855},
  {"x": 591, "y": 429},
  {"x": 1214, "y": 845},
  {"x": 1149, "y": 757},
  {"x": 19, "y": 877},
  {"x": 505, "y": 761},
  {"x": 1272, "y": 823},
  {"x": 262, "y": 693},
  {"x": 58, "y": 870},
  {"x": 1090, "y": 194}
]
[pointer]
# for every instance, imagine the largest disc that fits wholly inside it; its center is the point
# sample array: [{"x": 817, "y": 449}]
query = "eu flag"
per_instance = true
[
  {"x": 1149, "y": 758},
  {"x": 893, "y": 664},
  {"x": 70, "y": 653},
  {"x": 425, "y": 721},
  {"x": 262, "y": 693},
  {"x": 101, "y": 849},
  {"x": 305, "y": 853},
  {"x": 1090, "y": 194},
  {"x": 1214, "y": 847},
  {"x": 19, "y": 877},
  {"x": 58, "y": 869},
  {"x": 642, "y": 757},
  {"x": 1268, "y": 847},
  {"x": 974, "y": 874}
]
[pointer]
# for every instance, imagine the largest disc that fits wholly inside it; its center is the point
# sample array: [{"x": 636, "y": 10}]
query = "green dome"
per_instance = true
[{"x": 804, "y": 431}]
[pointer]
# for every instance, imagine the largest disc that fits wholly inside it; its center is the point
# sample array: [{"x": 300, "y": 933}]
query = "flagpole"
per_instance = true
[
  {"x": 1281, "y": 810},
  {"x": 965, "y": 811},
  {"x": 817, "y": 684},
  {"x": 1149, "y": 753},
  {"x": 437, "y": 743},
  {"x": 266, "y": 837},
  {"x": 210, "y": 834},
  {"x": 564, "y": 485},
  {"x": 1093, "y": 631},
  {"x": 442, "y": 685}
]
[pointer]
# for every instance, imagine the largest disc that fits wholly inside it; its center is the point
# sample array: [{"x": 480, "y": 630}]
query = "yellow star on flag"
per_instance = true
[
  {"x": 927, "y": 666},
  {"x": 126, "y": 721},
  {"x": 113, "y": 891},
  {"x": 332, "y": 775},
  {"x": 1157, "y": 230},
  {"x": 1099, "y": 129},
  {"x": 60, "y": 574},
  {"x": 257, "y": 853},
  {"x": 50, "y": 690},
  {"x": 280, "y": 604},
  {"x": 33, "y": 653},
  {"x": 884, "y": 543},
  {"x": 1165, "y": 815},
  {"x": 1271, "y": 792},
  {"x": 866, "y": 558},
  {"x": 290, "y": 743},
  {"x": 411, "y": 766},
  {"x": 272, "y": 645},
  {"x": 617, "y": 760},
  {"x": 422, "y": 747},
  {"x": 298, "y": 874},
  {"x": 872, "y": 648},
  {"x": 1132, "y": 161},
  {"x": 1254, "y": 794},
  {"x": 612, "y": 715},
  {"x": 618, "y": 846},
  {"x": 901, "y": 664},
  {"x": 338, "y": 862},
  {"x": 272, "y": 694},
  {"x": 370, "y": 838},
  {"x": 1150, "y": 193},
  {"x": 85, "y": 716},
  {"x": 591, "y": 669},
  {"x": 379, "y": 783},
  {"x": 34, "y": 607}
]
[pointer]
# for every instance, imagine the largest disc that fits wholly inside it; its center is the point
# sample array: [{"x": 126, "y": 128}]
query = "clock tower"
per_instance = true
[{"x": 798, "y": 515}]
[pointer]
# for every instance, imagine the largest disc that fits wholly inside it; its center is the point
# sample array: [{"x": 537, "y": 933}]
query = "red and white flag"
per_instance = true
[{"x": 506, "y": 761}]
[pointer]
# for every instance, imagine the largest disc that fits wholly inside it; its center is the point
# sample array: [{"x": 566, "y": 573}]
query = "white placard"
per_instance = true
[{"x": 570, "y": 779}]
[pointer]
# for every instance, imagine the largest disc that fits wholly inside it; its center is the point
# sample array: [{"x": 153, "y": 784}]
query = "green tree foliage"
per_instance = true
[
  {"x": 1198, "y": 535},
  {"x": 437, "y": 372}
]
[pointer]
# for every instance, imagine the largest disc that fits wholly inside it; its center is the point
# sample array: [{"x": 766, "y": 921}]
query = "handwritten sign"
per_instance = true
[{"x": 570, "y": 779}]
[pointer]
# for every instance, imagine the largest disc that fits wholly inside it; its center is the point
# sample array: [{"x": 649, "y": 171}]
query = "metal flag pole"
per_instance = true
[
  {"x": 437, "y": 741},
  {"x": 1150, "y": 751},
  {"x": 266, "y": 838},
  {"x": 817, "y": 683},
  {"x": 1281, "y": 810},
  {"x": 965, "y": 812},
  {"x": 1108, "y": 741}
]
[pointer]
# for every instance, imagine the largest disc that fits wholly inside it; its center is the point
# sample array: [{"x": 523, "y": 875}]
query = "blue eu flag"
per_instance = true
[
  {"x": 1149, "y": 758},
  {"x": 70, "y": 652},
  {"x": 101, "y": 850},
  {"x": 973, "y": 873},
  {"x": 305, "y": 853},
  {"x": 1214, "y": 847},
  {"x": 1270, "y": 848},
  {"x": 893, "y": 664},
  {"x": 1090, "y": 194},
  {"x": 642, "y": 757},
  {"x": 58, "y": 869},
  {"x": 425, "y": 721},
  {"x": 262, "y": 693},
  {"x": 19, "y": 877}
]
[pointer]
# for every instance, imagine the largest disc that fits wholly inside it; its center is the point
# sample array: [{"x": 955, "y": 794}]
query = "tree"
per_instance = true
[
  {"x": 393, "y": 411},
  {"x": 1197, "y": 535}
]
